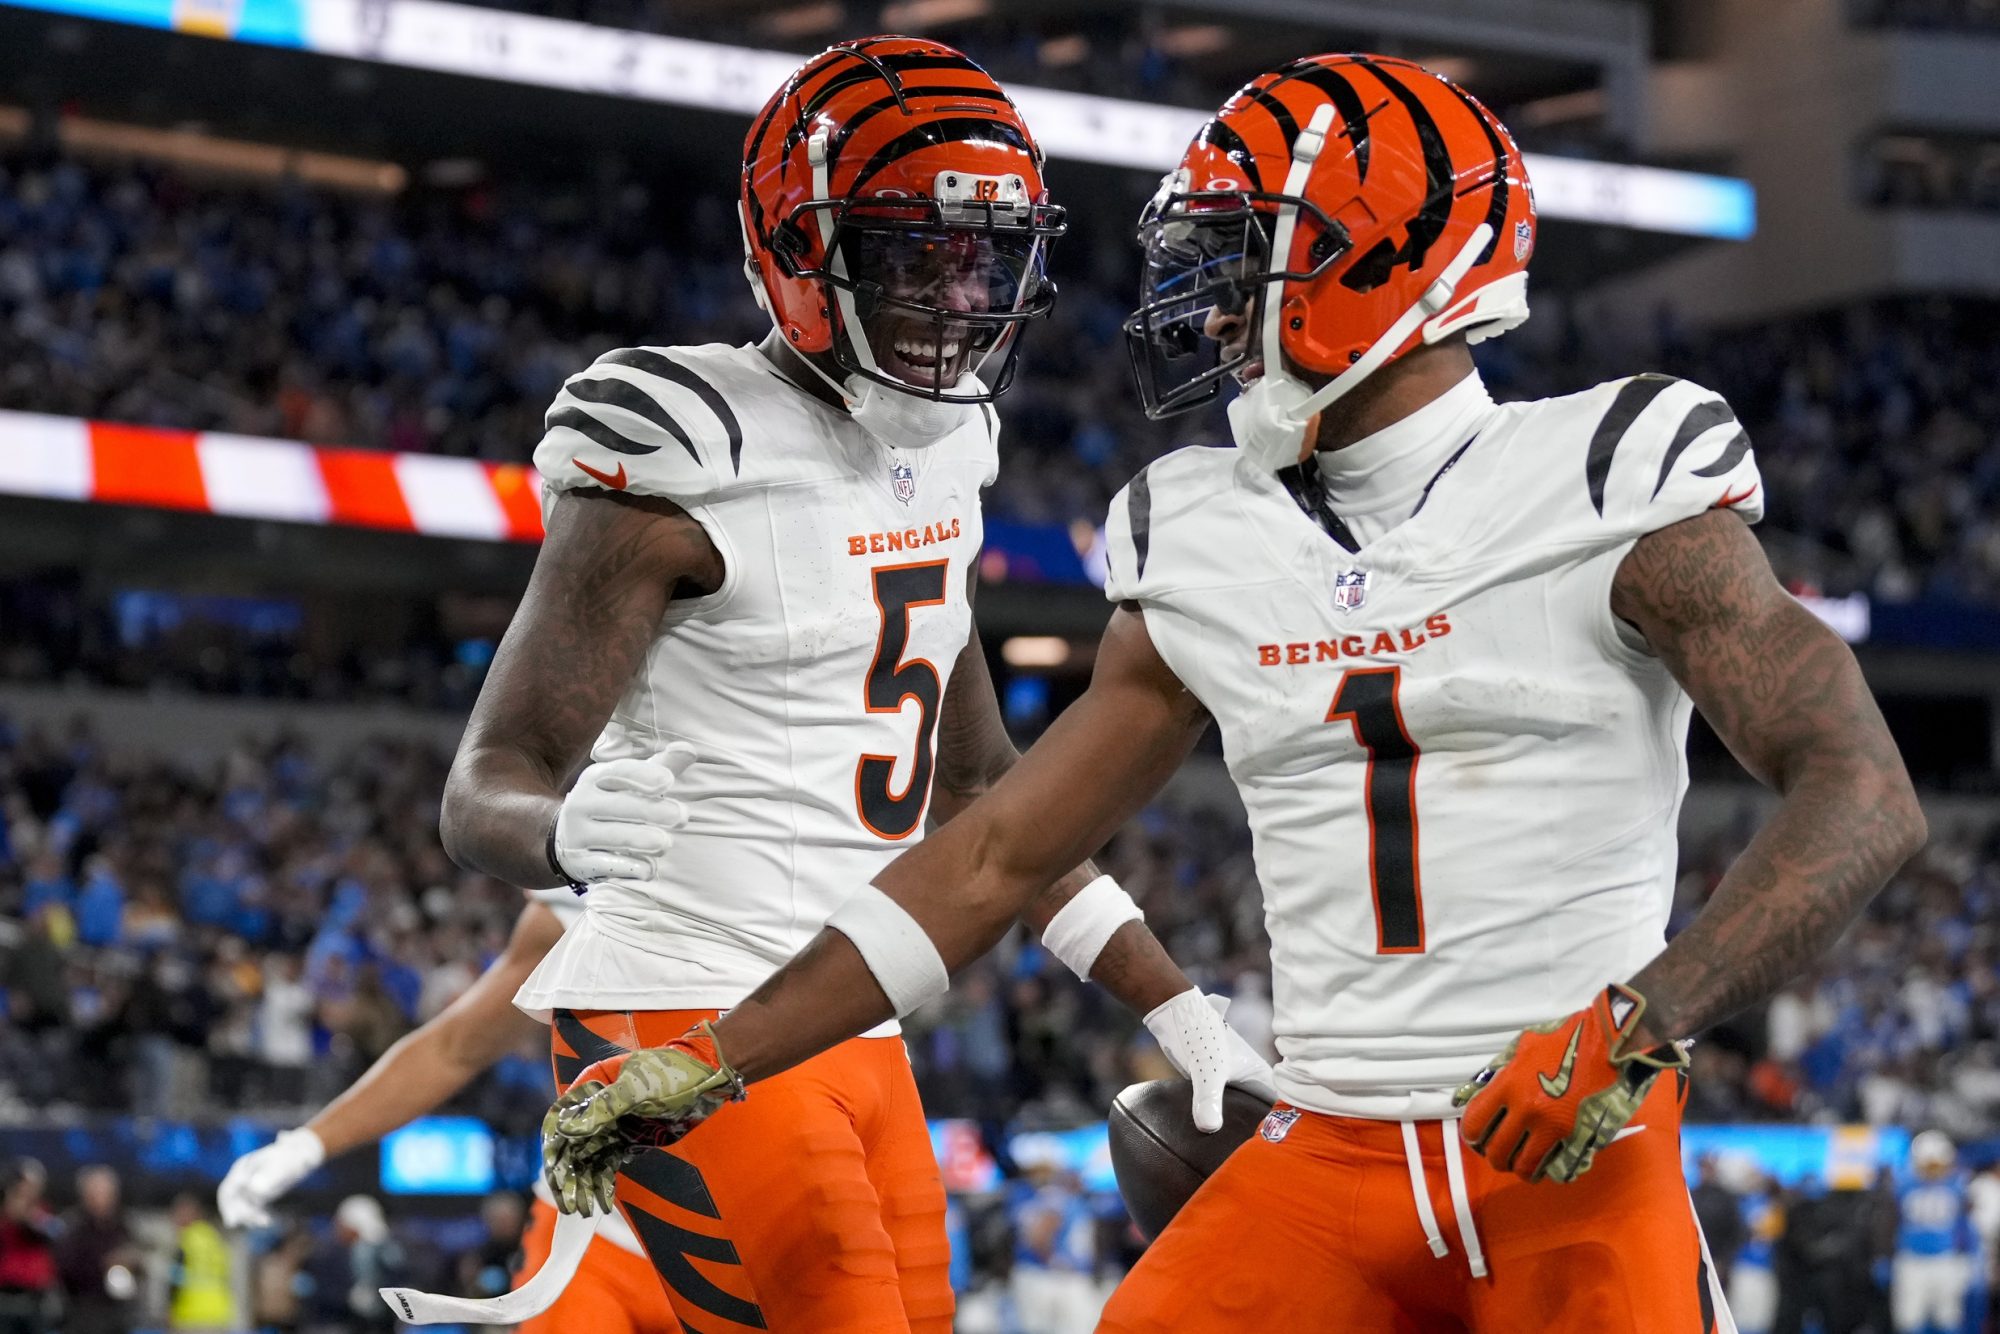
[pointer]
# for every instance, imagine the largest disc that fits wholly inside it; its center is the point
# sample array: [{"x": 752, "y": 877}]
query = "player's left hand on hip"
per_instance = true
[
  {"x": 1198, "y": 1043},
  {"x": 619, "y": 819},
  {"x": 635, "y": 1100},
  {"x": 1562, "y": 1091}
]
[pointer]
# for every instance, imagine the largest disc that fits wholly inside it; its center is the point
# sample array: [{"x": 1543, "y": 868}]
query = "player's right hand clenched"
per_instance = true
[
  {"x": 620, "y": 817},
  {"x": 631, "y": 1101}
]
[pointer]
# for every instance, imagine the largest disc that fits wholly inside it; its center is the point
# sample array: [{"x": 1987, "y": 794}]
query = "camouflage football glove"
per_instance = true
[
  {"x": 1562, "y": 1091},
  {"x": 625, "y": 1104}
]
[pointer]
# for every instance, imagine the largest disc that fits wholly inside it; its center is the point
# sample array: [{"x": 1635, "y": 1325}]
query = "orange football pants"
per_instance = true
[
  {"x": 814, "y": 1206},
  {"x": 1315, "y": 1225},
  {"x": 614, "y": 1291}
]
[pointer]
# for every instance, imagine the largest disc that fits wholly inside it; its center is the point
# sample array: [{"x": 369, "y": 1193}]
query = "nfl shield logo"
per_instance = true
[
  {"x": 1350, "y": 589},
  {"x": 906, "y": 482},
  {"x": 1524, "y": 236},
  {"x": 1278, "y": 1123}
]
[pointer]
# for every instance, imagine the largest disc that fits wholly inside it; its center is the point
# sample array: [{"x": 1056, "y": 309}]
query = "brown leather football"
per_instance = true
[{"x": 1160, "y": 1158}]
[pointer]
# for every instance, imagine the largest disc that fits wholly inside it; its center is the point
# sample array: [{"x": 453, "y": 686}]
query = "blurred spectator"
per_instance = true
[
  {"x": 278, "y": 1284},
  {"x": 97, "y": 1258},
  {"x": 1752, "y": 1288},
  {"x": 1720, "y": 1215},
  {"x": 347, "y": 1268},
  {"x": 488, "y": 1270},
  {"x": 201, "y": 1285},
  {"x": 1055, "y": 1248},
  {"x": 27, "y": 1251}
]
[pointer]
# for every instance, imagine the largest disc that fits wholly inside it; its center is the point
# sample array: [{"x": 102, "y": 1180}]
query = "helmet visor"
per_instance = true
[
  {"x": 936, "y": 303},
  {"x": 926, "y": 293}
]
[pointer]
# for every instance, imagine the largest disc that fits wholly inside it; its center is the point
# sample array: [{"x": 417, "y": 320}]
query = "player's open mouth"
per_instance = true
[{"x": 923, "y": 360}]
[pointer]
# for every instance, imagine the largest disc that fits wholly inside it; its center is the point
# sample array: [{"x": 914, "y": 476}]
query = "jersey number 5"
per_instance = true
[
  {"x": 1366, "y": 699},
  {"x": 891, "y": 682}
]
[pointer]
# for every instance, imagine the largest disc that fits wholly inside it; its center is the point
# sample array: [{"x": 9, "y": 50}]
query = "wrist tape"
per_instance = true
[
  {"x": 1082, "y": 927},
  {"x": 897, "y": 951}
]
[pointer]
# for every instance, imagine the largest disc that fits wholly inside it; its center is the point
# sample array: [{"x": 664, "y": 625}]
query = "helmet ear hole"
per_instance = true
[{"x": 790, "y": 244}]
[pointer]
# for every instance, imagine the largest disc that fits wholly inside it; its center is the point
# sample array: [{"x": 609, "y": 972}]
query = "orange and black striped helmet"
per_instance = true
[
  {"x": 895, "y": 218},
  {"x": 1334, "y": 202}
]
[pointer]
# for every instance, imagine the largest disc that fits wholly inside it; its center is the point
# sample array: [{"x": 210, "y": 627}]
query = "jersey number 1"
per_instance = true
[
  {"x": 891, "y": 681},
  {"x": 1366, "y": 700}
]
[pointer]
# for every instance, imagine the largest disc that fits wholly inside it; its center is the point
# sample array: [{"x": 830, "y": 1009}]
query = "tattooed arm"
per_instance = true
[
  {"x": 1788, "y": 698},
  {"x": 609, "y": 566},
  {"x": 974, "y": 752}
]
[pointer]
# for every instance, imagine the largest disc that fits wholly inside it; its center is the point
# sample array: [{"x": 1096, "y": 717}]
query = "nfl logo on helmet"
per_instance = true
[
  {"x": 906, "y": 482},
  {"x": 1350, "y": 589}
]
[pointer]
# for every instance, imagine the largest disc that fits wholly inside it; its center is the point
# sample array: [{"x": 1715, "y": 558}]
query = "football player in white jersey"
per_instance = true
[
  {"x": 1451, "y": 647},
  {"x": 753, "y": 613},
  {"x": 614, "y": 1290}
]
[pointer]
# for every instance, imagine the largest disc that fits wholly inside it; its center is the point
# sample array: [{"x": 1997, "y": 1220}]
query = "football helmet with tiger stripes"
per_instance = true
[
  {"x": 1346, "y": 208},
  {"x": 895, "y": 222}
]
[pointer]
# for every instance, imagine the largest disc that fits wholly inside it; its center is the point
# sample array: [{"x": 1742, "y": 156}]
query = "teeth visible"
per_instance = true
[{"x": 924, "y": 353}]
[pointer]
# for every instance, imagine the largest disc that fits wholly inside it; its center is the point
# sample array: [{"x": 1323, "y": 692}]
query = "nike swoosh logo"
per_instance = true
[
  {"x": 1628, "y": 1130},
  {"x": 1558, "y": 1086},
  {"x": 614, "y": 480}
]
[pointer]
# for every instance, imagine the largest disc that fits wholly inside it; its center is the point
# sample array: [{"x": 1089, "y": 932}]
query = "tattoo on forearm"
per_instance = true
[
  {"x": 1789, "y": 699},
  {"x": 600, "y": 585}
]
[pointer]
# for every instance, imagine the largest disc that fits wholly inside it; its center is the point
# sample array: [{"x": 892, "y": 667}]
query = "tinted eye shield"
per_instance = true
[
  {"x": 962, "y": 272},
  {"x": 1208, "y": 252}
]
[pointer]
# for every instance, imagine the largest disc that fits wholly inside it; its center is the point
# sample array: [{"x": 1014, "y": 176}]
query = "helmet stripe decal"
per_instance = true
[
  {"x": 1288, "y": 124},
  {"x": 1430, "y": 221},
  {"x": 863, "y": 115},
  {"x": 934, "y": 132},
  {"x": 1218, "y": 135},
  {"x": 1496, "y": 208},
  {"x": 1353, "y": 115}
]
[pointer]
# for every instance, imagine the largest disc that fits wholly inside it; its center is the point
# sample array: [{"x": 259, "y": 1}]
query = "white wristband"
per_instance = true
[
  {"x": 895, "y": 948},
  {"x": 1080, "y": 929}
]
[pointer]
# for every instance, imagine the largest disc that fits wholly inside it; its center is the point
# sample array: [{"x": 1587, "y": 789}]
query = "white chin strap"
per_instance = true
[{"x": 1270, "y": 418}]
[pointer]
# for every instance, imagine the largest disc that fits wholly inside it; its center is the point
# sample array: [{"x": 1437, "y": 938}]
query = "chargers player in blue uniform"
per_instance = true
[{"x": 1934, "y": 1241}]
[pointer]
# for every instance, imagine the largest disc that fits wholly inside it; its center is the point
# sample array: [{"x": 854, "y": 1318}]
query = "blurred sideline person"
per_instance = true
[
  {"x": 201, "y": 1282},
  {"x": 1935, "y": 1241},
  {"x": 614, "y": 1291},
  {"x": 1452, "y": 647},
  {"x": 1054, "y": 1279},
  {"x": 752, "y": 620},
  {"x": 27, "y": 1250},
  {"x": 1752, "y": 1284},
  {"x": 97, "y": 1257}
]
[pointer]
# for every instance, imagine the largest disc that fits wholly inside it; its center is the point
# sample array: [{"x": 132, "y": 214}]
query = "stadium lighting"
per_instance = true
[
  {"x": 713, "y": 76},
  {"x": 1035, "y": 651}
]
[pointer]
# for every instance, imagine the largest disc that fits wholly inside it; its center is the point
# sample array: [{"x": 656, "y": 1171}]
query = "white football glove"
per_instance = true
[
  {"x": 1196, "y": 1042},
  {"x": 258, "y": 1178},
  {"x": 620, "y": 817}
]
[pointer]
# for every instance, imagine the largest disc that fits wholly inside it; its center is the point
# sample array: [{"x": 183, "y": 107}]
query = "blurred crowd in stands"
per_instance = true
[
  {"x": 253, "y": 932},
  {"x": 445, "y": 320}
]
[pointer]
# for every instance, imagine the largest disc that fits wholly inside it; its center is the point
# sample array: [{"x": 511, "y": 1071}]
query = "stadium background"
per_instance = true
[{"x": 285, "y": 286}]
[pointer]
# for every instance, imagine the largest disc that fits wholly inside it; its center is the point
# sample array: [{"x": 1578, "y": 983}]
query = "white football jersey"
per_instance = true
[
  {"x": 1462, "y": 771},
  {"x": 809, "y": 684}
]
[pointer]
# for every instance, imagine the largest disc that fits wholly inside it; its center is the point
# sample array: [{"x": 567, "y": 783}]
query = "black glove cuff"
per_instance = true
[{"x": 555, "y": 864}]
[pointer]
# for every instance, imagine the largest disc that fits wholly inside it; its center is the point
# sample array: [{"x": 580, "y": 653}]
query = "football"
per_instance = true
[{"x": 1160, "y": 1158}]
